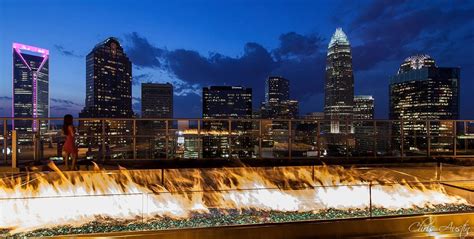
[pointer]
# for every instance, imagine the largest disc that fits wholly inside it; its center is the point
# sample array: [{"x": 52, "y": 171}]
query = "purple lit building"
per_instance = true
[{"x": 30, "y": 87}]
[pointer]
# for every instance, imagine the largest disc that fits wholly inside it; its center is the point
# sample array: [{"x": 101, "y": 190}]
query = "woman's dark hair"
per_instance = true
[{"x": 68, "y": 120}]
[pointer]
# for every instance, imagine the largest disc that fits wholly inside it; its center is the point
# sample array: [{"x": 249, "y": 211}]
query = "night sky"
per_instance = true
[{"x": 199, "y": 43}]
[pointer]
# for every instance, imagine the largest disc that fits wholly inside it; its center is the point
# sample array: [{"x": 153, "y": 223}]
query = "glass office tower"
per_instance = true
[
  {"x": 108, "y": 95},
  {"x": 108, "y": 82},
  {"x": 226, "y": 102},
  {"x": 339, "y": 85},
  {"x": 277, "y": 104},
  {"x": 421, "y": 92},
  {"x": 30, "y": 87},
  {"x": 157, "y": 100}
]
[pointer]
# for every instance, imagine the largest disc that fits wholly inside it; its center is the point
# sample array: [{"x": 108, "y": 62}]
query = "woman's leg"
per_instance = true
[
  {"x": 66, "y": 160},
  {"x": 74, "y": 157}
]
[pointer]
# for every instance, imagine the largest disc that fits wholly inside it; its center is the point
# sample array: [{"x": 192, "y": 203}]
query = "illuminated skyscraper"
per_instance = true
[
  {"x": 157, "y": 100},
  {"x": 339, "y": 86},
  {"x": 363, "y": 107},
  {"x": 30, "y": 86},
  {"x": 108, "y": 94},
  {"x": 277, "y": 89},
  {"x": 363, "y": 127},
  {"x": 108, "y": 82},
  {"x": 422, "y": 91},
  {"x": 226, "y": 102},
  {"x": 277, "y": 103}
]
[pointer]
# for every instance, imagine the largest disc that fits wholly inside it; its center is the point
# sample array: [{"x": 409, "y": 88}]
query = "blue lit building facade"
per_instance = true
[{"x": 30, "y": 87}]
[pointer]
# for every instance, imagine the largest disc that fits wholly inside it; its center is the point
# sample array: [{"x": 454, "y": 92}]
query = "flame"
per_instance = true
[{"x": 44, "y": 200}]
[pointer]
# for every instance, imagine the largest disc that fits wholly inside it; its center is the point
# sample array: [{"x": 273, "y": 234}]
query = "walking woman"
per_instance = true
[{"x": 69, "y": 147}]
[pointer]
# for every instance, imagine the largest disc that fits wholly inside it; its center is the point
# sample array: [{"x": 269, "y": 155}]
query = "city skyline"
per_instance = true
[{"x": 292, "y": 50}]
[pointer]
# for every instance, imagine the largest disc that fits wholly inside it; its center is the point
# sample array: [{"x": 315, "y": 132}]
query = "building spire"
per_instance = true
[{"x": 339, "y": 38}]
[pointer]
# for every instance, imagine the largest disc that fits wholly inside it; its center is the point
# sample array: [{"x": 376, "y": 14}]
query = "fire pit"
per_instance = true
[{"x": 58, "y": 203}]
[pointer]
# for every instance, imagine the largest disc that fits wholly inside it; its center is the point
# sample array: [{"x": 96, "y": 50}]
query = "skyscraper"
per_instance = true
[
  {"x": 363, "y": 126},
  {"x": 108, "y": 82},
  {"x": 277, "y": 104},
  {"x": 108, "y": 95},
  {"x": 226, "y": 102},
  {"x": 157, "y": 100},
  {"x": 419, "y": 92},
  {"x": 363, "y": 107},
  {"x": 30, "y": 86},
  {"x": 157, "y": 103},
  {"x": 422, "y": 91},
  {"x": 339, "y": 85},
  {"x": 277, "y": 89}
]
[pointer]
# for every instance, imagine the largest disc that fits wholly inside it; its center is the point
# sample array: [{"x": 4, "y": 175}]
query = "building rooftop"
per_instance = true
[{"x": 339, "y": 38}]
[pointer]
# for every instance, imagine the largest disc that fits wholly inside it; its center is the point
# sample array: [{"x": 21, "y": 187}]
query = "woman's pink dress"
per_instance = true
[{"x": 70, "y": 145}]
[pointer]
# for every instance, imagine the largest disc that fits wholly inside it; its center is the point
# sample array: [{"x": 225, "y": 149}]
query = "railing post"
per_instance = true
[
  {"x": 229, "y": 141},
  {"x": 318, "y": 139},
  {"x": 370, "y": 199},
  {"x": 346, "y": 133},
  {"x": 260, "y": 138},
  {"x": 35, "y": 147},
  {"x": 166, "y": 139},
  {"x": 162, "y": 176},
  {"x": 375, "y": 139},
  {"x": 144, "y": 200},
  {"x": 415, "y": 136},
  {"x": 465, "y": 139},
  {"x": 103, "y": 139},
  {"x": 134, "y": 133},
  {"x": 402, "y": 140},
  {"x": 290, "y": 139},
  {"x": 36, "y": 129},
  {"x": 40, "y": 147},
  {"x": 455, "y": 140},
  {"x": 5, "y": 140},
  {"x": 199, "y": 139},
  {"x": 428, "y": 132},
  {"x": 14, "y": 149},
  {"x": 438, "y": 170}
]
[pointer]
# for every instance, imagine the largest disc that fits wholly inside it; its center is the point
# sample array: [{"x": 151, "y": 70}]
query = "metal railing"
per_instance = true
[{"x": 103, "y": 139}]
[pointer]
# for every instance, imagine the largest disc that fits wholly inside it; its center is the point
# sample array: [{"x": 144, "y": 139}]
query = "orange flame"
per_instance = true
[{"x": 43, "y": 200}]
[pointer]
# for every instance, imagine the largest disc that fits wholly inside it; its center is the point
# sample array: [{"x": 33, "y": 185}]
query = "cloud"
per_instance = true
[
  {"x": 137, "y": 105},
  {"x": 294, "y": 45},
  {"x": 255, "y": 64},
  {"x": 298, "y": 57},
  {"x": 376, "y": 10},
  {"x": 66, "y": 52},
  {"x": 138, "y": 79},
  {"x": 60, "y": 107},
  {"x": 141, "y": 52},
  {"x": 382, "y": 33},
  {"x": 396, "y": 29},
  {"x": 64, "y": 102}
]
